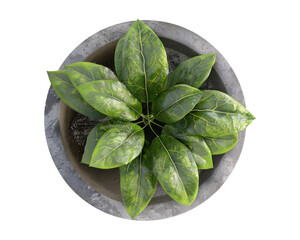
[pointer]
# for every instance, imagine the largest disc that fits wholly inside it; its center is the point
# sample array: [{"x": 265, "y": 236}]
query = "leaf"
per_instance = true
[
  {"x": 173, "y": 104},
  {"x": 196, "y": 144},
  {"x": 138, "y": 182},
  {"x": 83, "y": 72},
  {"x": 144, "y": 63},
  {"x": 193, "y": 71},
  {"x": 118, "y": 146},
  {"x": 111, "y": 98},
  {"x": 94, "y": 137},
  {"x": 118, "y": 57},
  {"x": 91, "y": 143},
  {"x": 216, "y": 115},
  {"x": 222, "y": 144},
  {"x": 69, "y": 95},
  {"x": 175, "y": 169}
]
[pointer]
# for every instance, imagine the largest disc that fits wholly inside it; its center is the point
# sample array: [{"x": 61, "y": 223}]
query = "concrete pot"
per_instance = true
[{"x": 66, "y": 130}]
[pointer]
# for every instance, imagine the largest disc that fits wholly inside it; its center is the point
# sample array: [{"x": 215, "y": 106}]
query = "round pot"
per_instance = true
[{"x": 66, "y": 130}]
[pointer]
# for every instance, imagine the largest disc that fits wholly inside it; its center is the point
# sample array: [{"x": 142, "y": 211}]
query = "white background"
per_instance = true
[{"x": 259, "y": 39}]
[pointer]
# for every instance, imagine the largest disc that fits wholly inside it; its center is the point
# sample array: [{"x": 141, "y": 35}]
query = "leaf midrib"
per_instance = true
[
  {"x": 174, "y": 165},
  {"x": 139, "y": 180},
  {"x": 118, "y": 145},
  {"x": 144, "y": 67},
  {"x": 216, "y": 111},
  {"x": 72, "y": 69},
  {"x": 111, "y": 95},
  {"x": 62, "y": 80},
  {"x": 190, "y": 71},
  {"x": 91, "y": 79},
  {"x": 175, "y": 103}
]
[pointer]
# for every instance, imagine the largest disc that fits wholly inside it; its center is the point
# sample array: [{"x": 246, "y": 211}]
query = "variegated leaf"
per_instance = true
[
  {"x": 144, "y": 62},
  {"x": 173, "y": 104},
  {"x": 193, "y": 71},
  {"x": 118, "y": 146},
  {"x": 83, "y": 72},
  {"x": 216, "y": 115},
  {"x": 69, "y": 94},
  {"x": 197, "y": 144},
  {"x": 138, "y": 182},
  {"x": 175, "y": 169},
  {"x": 111, "y": 98}
]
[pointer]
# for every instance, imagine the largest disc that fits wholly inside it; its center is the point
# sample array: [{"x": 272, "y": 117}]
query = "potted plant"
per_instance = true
[{"x": 188, "y": 125}]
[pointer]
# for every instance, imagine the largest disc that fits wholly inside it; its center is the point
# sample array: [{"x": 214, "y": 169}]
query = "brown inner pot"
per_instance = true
[{"x": 75, "y": 127}]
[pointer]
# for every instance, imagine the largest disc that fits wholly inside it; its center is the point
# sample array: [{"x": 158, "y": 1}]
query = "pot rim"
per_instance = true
[{"x": 70, "y": 175}]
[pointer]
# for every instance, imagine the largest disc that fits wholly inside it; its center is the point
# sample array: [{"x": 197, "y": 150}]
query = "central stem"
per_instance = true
[{"x": 153, "y": 129}]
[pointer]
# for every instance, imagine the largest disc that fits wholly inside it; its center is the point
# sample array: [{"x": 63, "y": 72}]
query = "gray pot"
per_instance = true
[{"x": 66, "y": 130}]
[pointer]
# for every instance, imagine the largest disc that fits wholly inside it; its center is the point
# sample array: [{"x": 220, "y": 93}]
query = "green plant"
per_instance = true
[{"x": 197, "y": 124}]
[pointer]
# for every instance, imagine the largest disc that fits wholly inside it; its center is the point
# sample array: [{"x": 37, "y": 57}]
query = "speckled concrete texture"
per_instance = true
[{"x": 210, "y": 182}]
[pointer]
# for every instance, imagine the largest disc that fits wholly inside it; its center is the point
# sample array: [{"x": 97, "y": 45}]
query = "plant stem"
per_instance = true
[
  {"x": 144, "y": 116},
  {"x": 156, "y": 124},
  {"x": 139, "y": 122},
  {"x": 146, "y": 125},
  {"x": 153, "y": 130}
]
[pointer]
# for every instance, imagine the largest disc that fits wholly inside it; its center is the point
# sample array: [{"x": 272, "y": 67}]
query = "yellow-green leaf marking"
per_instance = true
[
  {"x": 216, "y": 115},
  {"x": 174, "y": 103},
  {"x": 83, "y": 72},
  {"x": 112, "y": 98},
  {"x": 91, "y": 143},
  {"x": 118, "y": 57},
  {"x": 222, "y": 144},
  {"x": 193, "y": 71},
  {"x": 197, "y": 144},
  {"x": 144, "y": 62},
  {"x": 137, "y": 182},
  {"x": 118, "y": 146},
  {"x": 175, "y": 169},
  {"x": 94, "y": 137},
  {"x": 69, "y": 94}
]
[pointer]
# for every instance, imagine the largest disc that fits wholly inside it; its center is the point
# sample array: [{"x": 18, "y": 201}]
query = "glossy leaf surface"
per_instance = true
[
  {"x": 138, "y": 182},
  {"x": 222, "y": 144},
  {"x": 95, "y": 135},
  {"x": 69, "y": 95},
  {"x": 118, "y": 57},
  {"x": 91, "y": 143},
  {"x": 216, "y": 115},
  {"x": 175, "y": 169},
  {"x": 199, "y": 148},
  {"x": 83, "y": 72},
  {"x": 118, "y": 146},
  {"x": 193, "y": 71},
  {"x": 173, "y": 104},
  {"x": 144, "y": 62},
  {"x": 111, "y": 123},
  {"x": 111, "y": 98}
]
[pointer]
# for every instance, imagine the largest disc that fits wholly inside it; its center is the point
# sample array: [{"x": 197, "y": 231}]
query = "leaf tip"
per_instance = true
[
  {"x": 50, "y": 72},
  {"x": 139, "y": 22},
  {"x": 133, "y": 215},
  {"x": 251, "y": 117},
  {"x": 213, "y": 56}
]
